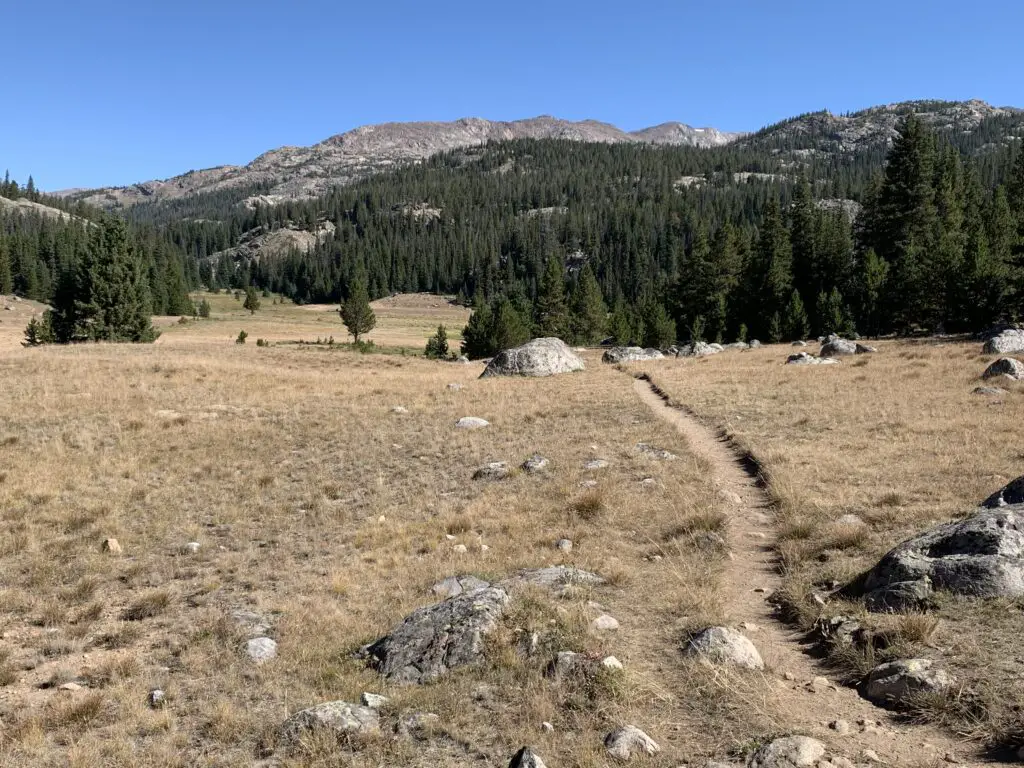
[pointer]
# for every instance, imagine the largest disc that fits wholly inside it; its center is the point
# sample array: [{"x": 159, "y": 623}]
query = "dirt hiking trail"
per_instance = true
[{"x": 750, "y": 577}]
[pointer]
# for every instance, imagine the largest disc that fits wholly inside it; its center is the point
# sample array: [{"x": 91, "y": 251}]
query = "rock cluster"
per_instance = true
[
  {"x": 630, "y": 355},
  {"x": 1010, "y": 340}
]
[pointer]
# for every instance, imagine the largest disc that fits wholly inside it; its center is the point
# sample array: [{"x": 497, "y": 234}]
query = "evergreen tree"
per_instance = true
[
  {"x": 589, "y": 312},
  {"x": 204, "y": 308},
  {"x": 6, "y": 280},
  {"x": 834, "y": 314},
  {"x": 620, "y": 324},
  {"x": 551, "y": 315},
  {"x": 356, "y": 313},
  {"x": 511, "y": 327},
  {"x": 252, "y": 303},
  {"x": 795, "y": 324},
  {"x": 874, "y": 271},
  {"x": 437, "y": 345},
  {"x": 768, "y": 276},
  {"x": 476, "y": 336},
  {"x": 659, "y": 327}
]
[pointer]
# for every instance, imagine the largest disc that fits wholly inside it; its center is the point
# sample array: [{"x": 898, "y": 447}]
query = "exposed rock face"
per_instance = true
[
  {"x": 556, "y": 577},
  {"x": 1010, "y": 340},
  {"x": 896, "y": 682},
  {"x": 836, "y": 347},
  {"x": 630, "y": 355},
  {"x": 981, "y": 556},
  {"x": 788, "y": 752},
  {"x": 456, "y": 585},
  {"x": 1011, "y": 493},
  {"x": 722, "y": 645},
  {"x": 802, "y": 358},
  {"x": 624, "y": 742},
  {"x": 700, "y": 349},
  {"x": 1005, "y": 366},
  {"x": 540, "y": 357},
  {"x": 257, "y": 244},
  {"x": 339, "y": 717},
  {"x": 437, "y": 638}
]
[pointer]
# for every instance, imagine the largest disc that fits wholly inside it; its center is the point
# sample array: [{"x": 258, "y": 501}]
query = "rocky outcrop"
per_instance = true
[
  {"x": 1010, "y": 340},
  {"x": 723, "y": 645},
  {"x": 837, "y": 347},
  {"x": 526, "y": 758},
  {"x": 539, "y": 357},
  {"x": 1005, "y": 366},
  {"x": 338, "y": 717},
  {"x": 896, "y": 683},
  {"x": 1011, "y": 493},
  {"x": 624, "y": 742},
  {"x": 802, "y": 358},
  {"x": 437, "y": 638},
  {"x": 630, "y": 355},
  {"x": 981, "y": 556}
]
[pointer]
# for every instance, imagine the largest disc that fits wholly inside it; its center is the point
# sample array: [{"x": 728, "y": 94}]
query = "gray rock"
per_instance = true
[
  {"x": 539, "y": 357},
  {"x": 605, "y": 623},
  {"x": 374, "y": 700},
  {"x": 456, "y": 585},
  {"x": 252, "y": 623},
  {"x": 900, "y": 596},
  {"x": 836, "y": 346},
  {"x": 981, "y": 556},
  {"x": 738, "y": 345},
  {"x": 191, "y": 548},
  {"x": 399, "y": 409},
  {"x": 595, "y": 464},
  {"x": 526, "y": 758},
  {"x": 471, "y": 422},
  {"x": 655, "y": 453},
  {"x": 788, "y": 752},
  {"x": 723, "y": 645},
  {"x": 556, "y": 577},
  {"x": 462, "y": 360},
  {"x": 624, "y": 742},
  {"x": 851, "y": 521},
  {"x": 1011, "y": 493},
  {"x": 495, "y": 470},
  {"x": 417, "y": 724},
  {"x": 535, "y": 464},
  {"x": 1005, "y": 366},
  {"x": 455, "y": 387},
  {"x": 568, "y": 664},
  {"x": 896, "y": 682},
  {"x": 799, "y": 344},
  {"x": 338, "y": 717},
  {"x": 261, "y": 649},
  {"x": 837, "y": 630},
  {"x": 157, "y": 698},
  {"x": 437, "y": 638},
  {"x": 802, "y": 358},
  {"x": 630, "y": 355},
  {"x": 865, "y": 349},
  {"x": 700, "y": 349},
  {"x": 842, "y": 727},
  {"x": 754, "y": 344},
  {"x": 991, "y": 391},
  {"x": 1008, "y": 341},
  {"x": 564, "y": 545},
  {"x": 611, "y": 663}
]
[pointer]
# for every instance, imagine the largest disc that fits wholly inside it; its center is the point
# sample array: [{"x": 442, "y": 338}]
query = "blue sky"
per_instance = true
[{"x": 114, "y": 91}]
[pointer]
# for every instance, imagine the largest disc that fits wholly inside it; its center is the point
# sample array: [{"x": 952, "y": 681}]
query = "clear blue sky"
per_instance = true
[{"x": 114, "y": 91}]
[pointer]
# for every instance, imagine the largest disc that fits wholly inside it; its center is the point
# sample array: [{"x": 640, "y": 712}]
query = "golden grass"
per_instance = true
[
  {"x": 898, "y": 439},
  {"x": 328, "y": 515}
]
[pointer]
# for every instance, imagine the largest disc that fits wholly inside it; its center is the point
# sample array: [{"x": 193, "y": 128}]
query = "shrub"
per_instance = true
[
  {"x": 437, "y": 345},
  {"x": 204, "y": 308},
  {"x": 242, "y": 336}
]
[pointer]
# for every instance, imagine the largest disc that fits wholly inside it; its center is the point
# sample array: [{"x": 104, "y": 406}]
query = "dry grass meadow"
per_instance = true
[
  {"x": 327, "y": 516},
  {"x": 898, "y": 439}
]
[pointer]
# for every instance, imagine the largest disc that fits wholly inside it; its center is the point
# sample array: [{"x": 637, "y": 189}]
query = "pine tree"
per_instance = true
[
  {"x": 620, "y": 324},
  {"x": 204, "y": 308},
  {"x": 511, "y": 327},
  {"x": 804, "y": 233},
  {"x": 437, "y": 345},
  {"x": 6, "y": 281},
  {"x": 550, "y": 311},
  {"x": 659, "y": 327},
  {"x": 834, "y": 314},
  {"x": 356, "y": 312},
  {"x": 795, "y": 324},
  {"x": 252, "y": 303},
  {"x": 589, "y": 312},
  {"x": 768, "y": 277},
  {"x": 874, "y": 272},
  {"x": 476, "y": 336}
]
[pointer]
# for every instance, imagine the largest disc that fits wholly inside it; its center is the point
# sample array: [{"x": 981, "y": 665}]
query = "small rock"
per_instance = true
[
  {"x": 399, "y": 409},
  {"x": 623, "y": 742},
  {"x": 588, "y": 483},
  {"x": 417, "y": 723},
  {"x": 564, "y": 545},
  {"x": 547, "y": 727},
  {"x": 595, "y": 464},
  {"x": 495, "y": 470},
  {"x": 871, "y": 756},
  {"x": 191, "y": 548},
  {"x": 1005, "y": 366},
  {"x": 535, "y": 464},
  {"x": 527, "y": 758},
  {"x": 655, "y": 453},
  {"x": 261, "y": 649},
  {"x": 788, "y": 752},
  {"x": 156, "y": 698},
  {"x": 605, "y": 623},
  {"x": 722, "y": 645},
  {"x": 610, "y": 662},
  {"x": 819, "y": 685},
  {"x": 111, "y": 546},
  {"x": 456, "y": 585},
  {"x": 374, "y": 700},
  {"x": 840, "y": 726},
  {"x": 455, "y": 387},
  {"x": 484, "y": 548},
  {"x": 70, "y": 687},
  {"x": 471, "y": 422},
  {"x": 460, "y": 549},
  {"x": 895, "y": 682},
  {"x": 730, "y": 496},
  {"x": 566, "y": 664},
  {"x": 788, "y": 676},
  {"x": 649, "y": 482},
  {"x": 337, "y": 716},
  {"x": 991, "y": 391},
  {"x": 749, "y": 626}
]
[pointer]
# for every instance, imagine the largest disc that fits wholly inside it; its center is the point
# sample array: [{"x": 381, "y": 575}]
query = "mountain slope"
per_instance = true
[{"x": 295, "y": 172}]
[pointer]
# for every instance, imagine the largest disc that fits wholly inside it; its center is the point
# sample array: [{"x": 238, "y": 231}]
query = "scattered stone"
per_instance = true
[
  {"x": 192, "y": 548},
  {"x": 610, "y": 662},
  {"x": 527, "y": 758},
  {"x": 471, "y": 422},
  {"x": 539, "y": 357},
  {"x": 656, "y": 453},
  {"x": 722, "y": 645},
  {"x": 261, "y": 649},
  {"x": 1005, "y": 366},
  {"x": 836, "y": 346},
  {"x": 700, "y": 349},
  {"x": 535, "y": 464},
  {"x": 623, "y": 742},
  {"x": 417, "y": 723},
  {"x": 1011, "y": 493},
  {"x": 339, "y": 717},
  {"x": 156, "y": 698},
  {"x": 547, "y": 727},
  {"x": 630, "y": 355},
  {"x": 555, "y": 577},
  {"x": 588, "y": 483},
  {"x": 851, "y": 521},
  {"x": 990, "y": 391},
  {"x": 373, "y": 700},
  {"x": 564, "y": 545},
  {"x": 462, "y": 360},
  {"x": 819, "y": 685},
  {"x": 70, "y": 687},
  {"x": 838, "y": 630},
  {"x": 111, "y": 547},
  {"x": 1010, "y": 340},
  {"x": 399, "y": 409},
  {"x": 755, "y": 344},
  {"x": 840, "y": 726},
  {"x": 649, "y": 482},
  {"x": 865, "y": 349},
  {"x": 455, "y": 387},
  {"x": 788, "y": 752},
  {"x": 605, "y": 623},
  {"x": 799, "y": 344},
  {"x": 895, "y": 682},
  {"x": 437, "y": 638},
  {"x": 568, "y": 664},
  {"x": 253, "y": 624},
  {"x": 495, "y": 470},
  {"x": 802, "y": 358},
  {"x": 595, "y": 464},
  {"x": 981, "y": 556},
  {"x": 460, "y": 549},
  {"x": 899, "y": 596},
  {"x": 456, "y": 585},
  {"x": 871, "y": 756}
]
